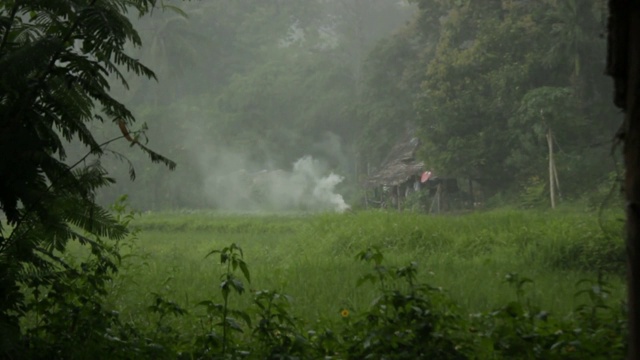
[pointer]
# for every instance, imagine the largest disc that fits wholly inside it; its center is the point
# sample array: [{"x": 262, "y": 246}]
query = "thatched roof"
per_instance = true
[{"x": 399, "y": 166}]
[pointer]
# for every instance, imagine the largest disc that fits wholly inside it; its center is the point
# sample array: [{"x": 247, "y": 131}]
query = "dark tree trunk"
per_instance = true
[{"x": 623, "y": 64}]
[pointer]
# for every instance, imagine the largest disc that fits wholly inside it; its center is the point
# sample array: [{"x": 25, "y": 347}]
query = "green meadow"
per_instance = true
[{"x": 312, "y": 259}]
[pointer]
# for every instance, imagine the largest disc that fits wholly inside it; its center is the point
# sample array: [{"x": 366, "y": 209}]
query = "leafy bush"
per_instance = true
[
  {"x": 408, "y": 320},
  {"x": 521, "y": 330},
  {"x": 65, "y": 313}
]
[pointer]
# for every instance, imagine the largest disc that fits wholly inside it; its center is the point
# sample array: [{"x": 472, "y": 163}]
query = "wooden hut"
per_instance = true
[
  {"x": 402, "y": 174},
  {"x": 397, "y": 177}
]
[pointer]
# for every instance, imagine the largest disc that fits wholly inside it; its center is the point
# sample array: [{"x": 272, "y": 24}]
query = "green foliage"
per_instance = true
[
  {"x": 412, "y": 320},
  {"x": 408, "y": 320},
  {"x": 494, "y": 78},
  {"x": 56, "y": 60},
  {"x": 474, "y": 76},
  {"x": 164, "y": 334},
  {"x": 64, "y": 310},
  {"x": 270, "y": 81},
  {"x": 600, "y": 253},
  {"x": 607, "y": 195},
  {"x": 535, "y": 194},
  {"x": 521, "y": 329},
  {"x": 277, "y": 332},
  {"x": 220, "y": 223},
  {"x": 231, "y": 257},
  {"x": 400, "y": 314}
]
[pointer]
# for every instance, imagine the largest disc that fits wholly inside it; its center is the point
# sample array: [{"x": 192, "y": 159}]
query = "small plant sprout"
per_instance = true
[{"x": 231, "y": 257}]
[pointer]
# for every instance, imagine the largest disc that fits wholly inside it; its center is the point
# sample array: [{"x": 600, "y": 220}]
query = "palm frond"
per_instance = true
[{"x": 95, "y": 220}]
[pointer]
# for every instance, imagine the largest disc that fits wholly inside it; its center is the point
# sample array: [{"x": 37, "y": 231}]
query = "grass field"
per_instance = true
[{"x": 311, "y": 257}]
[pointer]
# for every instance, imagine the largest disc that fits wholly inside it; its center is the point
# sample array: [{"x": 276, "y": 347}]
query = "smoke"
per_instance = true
[
  {"x": 308, "y": 186},
  {"x": 318, "y": 191}
]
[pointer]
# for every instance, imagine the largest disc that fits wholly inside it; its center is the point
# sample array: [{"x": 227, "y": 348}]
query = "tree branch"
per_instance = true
[{"x": 29, "y": 209}]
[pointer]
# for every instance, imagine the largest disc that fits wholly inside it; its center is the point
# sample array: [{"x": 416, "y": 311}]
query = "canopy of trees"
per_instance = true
[
  {"x": 489, "y": 81},
  {"x": 246, "y": 85},
  {"x": 259, "y": 84}
]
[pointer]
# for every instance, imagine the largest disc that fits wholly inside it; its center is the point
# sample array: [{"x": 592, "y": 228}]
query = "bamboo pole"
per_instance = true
[
  {"x": 555, "y": 176},
  {"x": 471, "y": 196},
  {"x": 552, "y": 188}
]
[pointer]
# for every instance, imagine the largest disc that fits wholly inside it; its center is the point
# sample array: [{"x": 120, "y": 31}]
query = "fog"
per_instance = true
[
  {"x": 255, "y": 101},
  {"x": 294, "y": 105}
]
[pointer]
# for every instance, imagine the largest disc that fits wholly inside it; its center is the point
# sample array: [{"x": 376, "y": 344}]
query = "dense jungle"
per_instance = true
[{"x": 317, "y": 179}]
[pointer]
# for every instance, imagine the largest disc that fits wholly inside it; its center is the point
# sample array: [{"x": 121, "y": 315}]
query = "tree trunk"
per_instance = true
[
  {"x": 623, "y": 64},
  {"x": 632, "y": 182}
]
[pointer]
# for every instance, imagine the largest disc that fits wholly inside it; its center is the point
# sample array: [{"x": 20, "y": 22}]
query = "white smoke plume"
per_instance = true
[{"x": 307, "y": 187}]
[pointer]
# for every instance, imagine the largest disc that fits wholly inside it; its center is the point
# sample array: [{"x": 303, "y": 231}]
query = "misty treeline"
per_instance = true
[{"x": 247, "y": 86}]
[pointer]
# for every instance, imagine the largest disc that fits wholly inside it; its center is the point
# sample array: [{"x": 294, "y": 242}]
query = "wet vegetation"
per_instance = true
[
  {"x": 253, "y": 235},
  {"x": 496, "y": 284}
]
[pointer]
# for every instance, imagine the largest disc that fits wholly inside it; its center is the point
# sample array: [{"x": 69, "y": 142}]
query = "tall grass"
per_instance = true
[{"x": 311, "y": 257}]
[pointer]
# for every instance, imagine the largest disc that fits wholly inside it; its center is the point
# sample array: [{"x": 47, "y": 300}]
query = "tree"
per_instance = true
[
  {"x": 494, "y": 67},
  {"x": 485, "y": 62},
  {"x": 55, "y": 60},
  {"x": 623, "y": 65},
  {"x": 393, "y": 72}
]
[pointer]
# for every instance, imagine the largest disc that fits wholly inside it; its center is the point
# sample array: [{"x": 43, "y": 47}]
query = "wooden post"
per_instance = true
[
  {"x": 552, "y": 192},
  {"x": 398, "y": 197},
  {"x": 471, "y": 196}
]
